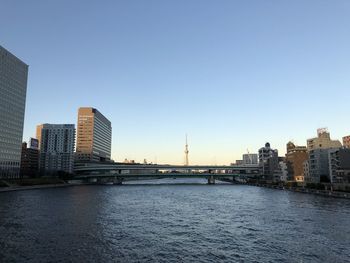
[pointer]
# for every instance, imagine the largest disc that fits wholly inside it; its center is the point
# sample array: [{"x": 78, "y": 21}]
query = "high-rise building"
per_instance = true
[
  {"x": 346, "y": 141},
  {"x": 30, "y": 159},
  {"x": 295, "y": 158},
  {"x": 13, "y": 89},
  {"x": 319, "y": 149},
  {"x": 268, "y": 161},
  {"x": 94, "y": 136},
  {"x": 56, "y": 142}
]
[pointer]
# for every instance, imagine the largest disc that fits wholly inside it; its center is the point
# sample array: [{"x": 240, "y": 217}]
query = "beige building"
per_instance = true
[
  {"x": 346, "y": 141},
  {"x": 94, "y": 136},
  {"x": 322, "y": 141}
]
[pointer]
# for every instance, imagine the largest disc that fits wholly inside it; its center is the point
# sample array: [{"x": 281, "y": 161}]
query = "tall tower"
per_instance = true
[
  {"x": 186, "y": 152},
  {"x": 13, "y": 90}
]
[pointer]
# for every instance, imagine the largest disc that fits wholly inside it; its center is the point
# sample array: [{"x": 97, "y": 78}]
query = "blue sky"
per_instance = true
[{"x": 231, "y": 74}]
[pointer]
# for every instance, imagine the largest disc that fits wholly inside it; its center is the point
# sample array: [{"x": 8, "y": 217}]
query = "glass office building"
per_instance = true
[
  {"x": 94, "y": 136},
  {"x": 13, "y": 89}
]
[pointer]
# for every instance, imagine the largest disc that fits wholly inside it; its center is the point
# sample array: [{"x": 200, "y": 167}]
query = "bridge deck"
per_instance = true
[
  {"x": 157, "y": 175},
  {"x": 94, "y": 166}
]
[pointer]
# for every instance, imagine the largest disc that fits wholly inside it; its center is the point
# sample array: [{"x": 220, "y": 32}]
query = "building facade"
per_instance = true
[
  {"x": 339, "y": 163},
  {"x": 319, "y": 165},
  {"x": 322, "y": 141},
  {"x": 13, "y": 89},
  {"x": 94, "y": 136},
  {"x": 29, "y": 161},
  {"x": 306, "y": 169},
  {"x": 239, "y": 162},
  {"x": 281, "y": 174},
  {"x": 346, "y": 141},
  {"x": 319, "y": 149},
  {"x": 295, "y": 158},
  {"x": 250, "y": 158},
  {"x": 268, "y": 161},
  {"x": 56, "y": 143}
]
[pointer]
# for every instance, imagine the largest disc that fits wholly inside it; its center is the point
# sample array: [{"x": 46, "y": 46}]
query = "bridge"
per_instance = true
[{"x": 117, "y": 173}]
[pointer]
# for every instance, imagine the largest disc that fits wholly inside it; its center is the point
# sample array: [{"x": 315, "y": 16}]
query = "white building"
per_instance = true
[
  {"x": 56, "y": 143},
  {"x": 250, "y": 158},
  {"x": 13, "y": 89},
  {"x": 284, "y": 172}
]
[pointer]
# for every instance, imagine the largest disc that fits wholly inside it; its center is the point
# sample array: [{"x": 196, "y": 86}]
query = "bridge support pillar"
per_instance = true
[
  {"x": 211, "y": 180},
  {"x": 117, "y": 181},
  {"x": 101, "y": 180},
  {"x": 91, "y": 180}
]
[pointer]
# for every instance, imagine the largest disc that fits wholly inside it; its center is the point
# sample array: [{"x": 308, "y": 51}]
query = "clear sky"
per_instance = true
[{"x": 231, "y": 74}]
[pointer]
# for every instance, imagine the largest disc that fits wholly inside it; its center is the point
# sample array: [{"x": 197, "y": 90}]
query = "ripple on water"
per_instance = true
[{"x": 173, "y": 223}]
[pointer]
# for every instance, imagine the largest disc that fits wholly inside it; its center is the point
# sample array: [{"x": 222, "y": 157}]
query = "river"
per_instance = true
[{"x": 172, "y": 222}]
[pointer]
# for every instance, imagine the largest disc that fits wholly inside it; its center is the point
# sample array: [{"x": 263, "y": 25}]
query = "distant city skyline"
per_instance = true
[{"x": 233, "y": 75}]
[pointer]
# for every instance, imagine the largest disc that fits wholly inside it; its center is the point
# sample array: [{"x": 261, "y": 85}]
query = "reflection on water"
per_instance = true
[{"x": 163, "y": 222}]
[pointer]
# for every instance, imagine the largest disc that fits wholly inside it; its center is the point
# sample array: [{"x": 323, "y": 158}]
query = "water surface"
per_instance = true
[{"x": 172, "y": 223}]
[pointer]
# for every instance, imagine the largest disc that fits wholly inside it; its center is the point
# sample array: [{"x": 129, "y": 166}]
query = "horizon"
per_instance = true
[{"x": 160, "y": 70}]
